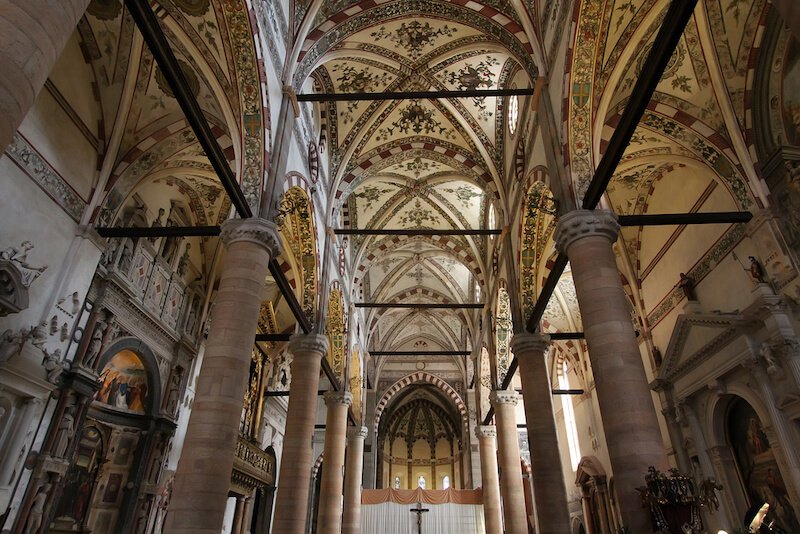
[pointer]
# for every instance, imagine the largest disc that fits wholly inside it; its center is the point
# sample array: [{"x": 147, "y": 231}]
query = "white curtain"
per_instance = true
[{"x": 393, "y": 518}]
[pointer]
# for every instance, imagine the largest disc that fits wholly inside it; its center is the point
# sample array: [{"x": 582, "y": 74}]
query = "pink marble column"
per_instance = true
[
  {"x": 354, "y": 466},
  {"x": 33, "y": 33},
  {"x": 490, "y": 479},
  {"x": 626, "y": 404},
  {"x": 329, "y": 519},
  {"x": 511, "y": 488},
  {"x": 204, "y": 472},
  {"x": 291, "y": 503},
  {"x": 550, "y": 495}
]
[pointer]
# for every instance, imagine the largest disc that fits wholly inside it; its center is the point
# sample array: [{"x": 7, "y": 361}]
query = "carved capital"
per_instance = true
[
  {"x": 486, "y": 431},
  {"x": 526, "y": 343},
  {"x": 258, "y": 231},
  {"x": 504, "y": 396},
  {"x": 357, "y": 432},
  {"x": 585, "y": 223},
  {"x": 332, "y": 398},
  {"x": 313, "y": 344}
]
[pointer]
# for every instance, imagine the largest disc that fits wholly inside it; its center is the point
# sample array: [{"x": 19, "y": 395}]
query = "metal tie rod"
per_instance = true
[{"x": 414, "y": 95}]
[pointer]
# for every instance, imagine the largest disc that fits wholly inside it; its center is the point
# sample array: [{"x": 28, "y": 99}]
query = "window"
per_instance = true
[
  {"x": 396, "y": 482},
  {"x": 445, "y": 482},
  {"x": 513, "y": 113},
  {"x": 421, "y": 481},
  {"x": 569, "y": 419}
]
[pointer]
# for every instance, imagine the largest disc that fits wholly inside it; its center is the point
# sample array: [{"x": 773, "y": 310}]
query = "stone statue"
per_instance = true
[
  {"x": 34, "y": 522},
  {"x": 54, "y": 366},
  {"x": 39, "y": 336},
  {"x": 757, "y": 271},
  {"x": 769, "y": 357},
  {"x": 174, "y": 391},
  {"x": 158, "y": 222},
  {"x": 183, "y": 263},
  {"x": 66, "y": 427},
  {"x": 708, "y": 493},
  {"x": 110, "y": 253},
  {"x": 126, "y": 259},
  {"x": 95, "y": 344},
  {"x": 11, "y": 343},
  {"x": 687, "y": 286},
  {"x": 19, "y": 256}
]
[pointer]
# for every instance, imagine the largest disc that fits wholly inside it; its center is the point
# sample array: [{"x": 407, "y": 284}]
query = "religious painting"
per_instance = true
[
  {"x": 124, "y": 383},
  {"x": 757, "y": 465},
  {"x": 791, "y": 92},
  {"x": 79, "y": 484},
  {"x": 112, "y": 488}
]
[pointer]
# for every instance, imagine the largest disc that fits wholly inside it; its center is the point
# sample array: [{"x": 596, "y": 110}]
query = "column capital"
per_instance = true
[
  {"x": 308, "y": 343},
  {"x": 357, "y": 432},
  {"x": 486, "y": 431},
  {"x": 332, "y": 398},
  {"x": 504, "y": 396},
  {"x": 530, "y": 342},
  {"x": 585, "y": 223},
  {"x": 254, "y": 230}
]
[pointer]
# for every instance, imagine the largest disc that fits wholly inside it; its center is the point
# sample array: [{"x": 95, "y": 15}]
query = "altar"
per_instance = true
[{"x": 395, "y": 511}]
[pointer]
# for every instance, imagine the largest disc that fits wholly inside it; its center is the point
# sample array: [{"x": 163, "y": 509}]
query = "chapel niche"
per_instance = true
[
  {"x": 758, "y": 469},
  {"x": 419, "y": 438}
]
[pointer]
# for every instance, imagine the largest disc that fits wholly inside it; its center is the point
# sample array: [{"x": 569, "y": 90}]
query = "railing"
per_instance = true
[{"x": 253, "y": 462}]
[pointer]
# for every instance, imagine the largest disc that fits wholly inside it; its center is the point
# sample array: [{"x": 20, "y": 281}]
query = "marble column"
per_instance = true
[
  {"x": 490, "y": 480},
  {"x": 631, "y": 426},
  {"x": 329, "y": 519},
  {"x": 505, "y": 413},
  {"x": 351, "y": 521},
  {"x": 238, "y": 517},
  {"x": 550, "y": 495},
  {"x": 204, "y": 472},
  {"x": 291, "y": 503},
  {"x": 33, "y": 33}
]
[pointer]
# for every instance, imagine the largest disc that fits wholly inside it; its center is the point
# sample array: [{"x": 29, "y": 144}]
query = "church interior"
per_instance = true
[{"x": 393, "y": 266}]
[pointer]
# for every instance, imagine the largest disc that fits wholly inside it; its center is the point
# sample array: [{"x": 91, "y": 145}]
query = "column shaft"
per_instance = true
[
  {"x": 238, "y": 516},
  {"x": 549, "y": 493},
  {"x": 505, "y": 404},
  {"x": 626, "y": 404},
  {"x": 490, "y": 480},
  {"x": 33, "y": 34},
  {"x": 351, "y": 521},
  {"x": 204, "y": 472},
  {"x": 330, "y": 494},
  {"x": 291, "y": 504}
]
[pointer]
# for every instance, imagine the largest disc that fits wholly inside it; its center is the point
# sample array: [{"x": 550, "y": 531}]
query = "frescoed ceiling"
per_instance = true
[{"x": 419, "y": 164}]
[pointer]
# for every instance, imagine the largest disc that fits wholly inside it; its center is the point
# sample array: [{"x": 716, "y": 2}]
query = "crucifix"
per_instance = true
[{"x": 419, "y": 510}]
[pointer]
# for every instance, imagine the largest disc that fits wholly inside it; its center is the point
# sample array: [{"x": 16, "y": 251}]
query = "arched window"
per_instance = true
[
  {"x": 569, "y": 418},
  {"x": 445, "y": 482},
  {"x": 421, "y": 481},
  {"x": 396, "y": 482}
]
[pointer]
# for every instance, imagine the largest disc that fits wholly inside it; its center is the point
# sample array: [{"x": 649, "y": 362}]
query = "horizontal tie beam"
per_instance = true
[
  {"x": 415, "y": 232},
  {"x": 273, "y": 337},
  {"x": 159, "y": 231},
  {"x": 420, "y": 353},
  {"x": 414, "y": 95},
  {"x": 664, "y": 219},
  {"x": 563, "y": 336},
  {"x": 417, "y": 306},
  {"x": 286, "y": 393}
]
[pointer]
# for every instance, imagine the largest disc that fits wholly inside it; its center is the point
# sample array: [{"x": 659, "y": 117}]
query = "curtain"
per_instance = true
[
  {"x": 450, "y": 495},
  {"x": 396, "y": 518}
]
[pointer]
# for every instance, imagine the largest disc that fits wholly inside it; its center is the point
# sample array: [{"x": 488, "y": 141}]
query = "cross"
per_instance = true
[{"x": 419, "y": 510}]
